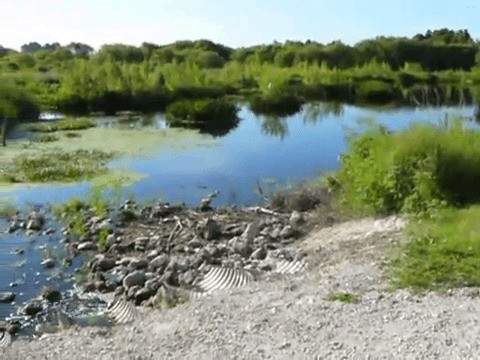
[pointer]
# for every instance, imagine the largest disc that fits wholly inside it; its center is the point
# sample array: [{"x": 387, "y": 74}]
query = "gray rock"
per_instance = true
[
  {"x": 287, "y": 232},
  {"x": 275, "y": 234},
  {"x": 87, "y": 246},
  {"x": 160, "y": 262},
  {"x": 211, "y": 230},
  {"x": 32, "y": 308},
  {"x": 137, "y": 264},
  {"x": 48, "y": 263},
  {"x": 296, "y": 219},
  {"x": 105, "y": 264},
  {"x": 132, "y": 291},
  {"x": 143, "y": 294},
  {"x": 136, "y": 278},
  {"x": 153, "y": 284},
  {"x": 195, "y": 243},
  {"x": 35, "y": 221},
  {"x": 250, "y": 232},
  {"x": 259, "y": 254},
  {"x": 7, "y": 297},
  {"x": 51, "y": 294}
]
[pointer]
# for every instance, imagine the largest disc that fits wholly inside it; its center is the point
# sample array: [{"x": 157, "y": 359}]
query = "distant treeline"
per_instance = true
[{"x": 441, "y": 66}]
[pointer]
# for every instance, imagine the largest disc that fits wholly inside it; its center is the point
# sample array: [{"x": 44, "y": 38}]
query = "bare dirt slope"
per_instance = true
[{"x": 291, "y": 317}]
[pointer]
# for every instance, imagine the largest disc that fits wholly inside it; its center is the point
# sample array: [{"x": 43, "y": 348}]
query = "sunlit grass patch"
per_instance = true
[
  {"x": 343, "y": 297},
  {"x": 68, "y": 124},
  {"x": 442, "y": 252},
  {"x": 59, "y": 166}
]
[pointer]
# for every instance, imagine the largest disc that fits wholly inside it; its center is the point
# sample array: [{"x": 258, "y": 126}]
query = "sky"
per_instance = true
[{"x": 234, "y": 23}]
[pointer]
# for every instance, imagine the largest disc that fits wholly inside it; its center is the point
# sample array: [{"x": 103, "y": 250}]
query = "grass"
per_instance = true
[
  {"x": 344, "y": 297},
  {"x": 45, "y": 138},
  {"x": 68, "y": 124},
  {"x": 443, "y": 252},
  {"x": 60, "y": 166}
]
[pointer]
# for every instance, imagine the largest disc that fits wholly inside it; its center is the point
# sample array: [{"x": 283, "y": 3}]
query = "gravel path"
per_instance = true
[{"x": 291, "y": 317}]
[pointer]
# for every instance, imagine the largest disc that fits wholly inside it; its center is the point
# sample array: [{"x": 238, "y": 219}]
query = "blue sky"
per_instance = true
[{"x": 230, "y": 22}]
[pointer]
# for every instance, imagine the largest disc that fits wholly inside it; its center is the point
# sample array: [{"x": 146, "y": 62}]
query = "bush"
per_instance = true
[
  {"x": 413, "y": 171},
  {"x": 282, "y": 104},
  {"x": 216, "y": 117}
]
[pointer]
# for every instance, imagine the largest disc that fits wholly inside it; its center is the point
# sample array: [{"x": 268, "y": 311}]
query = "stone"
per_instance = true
[
  {"x": 35, "y": 221},
  {"x": 259, "y": 254},
  {"x": 137, "y": 264},
  {"x": 136, "y": 278},
  {"x": 296, "y": 219},
  {"x": 51, "y": 294},
  {"x": 211, "y": 230},
  {"x": 32, "y": 308},
  {"x": 86, "y": 246},
  {"x": 105, "y": 264},
  {"x": 250, "y": 232},
  {"x": 143, "y": 294},
  {"x": 287, "y": 232},
  {"x": 160, "y": 262},
  {"x": 48, "y": 263},
  {"x": 7, "y": 297},
  {"x": 195, "y": 243},
  {"x": 153, "y": 284}
]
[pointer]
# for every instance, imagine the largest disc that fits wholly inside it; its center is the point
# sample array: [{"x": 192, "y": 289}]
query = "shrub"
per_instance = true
[
  {"x": 412, "y": 171},
  {"x": 60, "y": 125}
]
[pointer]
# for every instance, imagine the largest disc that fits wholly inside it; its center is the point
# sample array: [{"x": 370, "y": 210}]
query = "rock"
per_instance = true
[
  {"x": 250, "y": 232},
  {"x": 195, "y": 243},
  {"x": 211, "y": 230},
  {"x": 259, "y": 254},
  {"x": 242, "y": 248},
  {"x": 136, "y": 278},
  {"x": 35, "y": 221},
  {"x": 32, "y": 308},
  {"x": 287, "y": 232},
  {"x": 48, "y": 263},
  {"x": 19, "y": 251},
  {"x": 296, "y": 219},
  {"x": 14, "y": 226},
  {"x": 143, "y": 294},
  {"x": 105, "y": 264},
  {"x": 152, "y": 254},
  {"x": 111, "y": 239},
  {"x": 187, "y": 278},
  {"x": 153, "y": 284},
  {"x": 51, "y": 294},
  {"x": 7, "y": 297},
  {"x": 275, "y": 234},
  {"x": 137, "y": 264},
  {"x": 160, "y": 262},
  {"x": 132, "y": 291},
  {"x": 116, "y": 275},
  {"x": 49, "y": 231},
  {"x": 100, "y": 285},
  {"x": 87, "y": 246},
  {"x": 168, "y": 277},
  {"x": 141, "y": 243}
]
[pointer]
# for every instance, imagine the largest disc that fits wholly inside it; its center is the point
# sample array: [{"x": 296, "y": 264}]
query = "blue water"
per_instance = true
[
  {"x": 271, "y": 152},
  {"x": 302, "y": 146}
]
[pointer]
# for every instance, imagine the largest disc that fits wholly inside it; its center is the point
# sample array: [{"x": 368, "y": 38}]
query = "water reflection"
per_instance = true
[
  {"x": 274, "y": 125},
  {"x": 317, "y": 111}
]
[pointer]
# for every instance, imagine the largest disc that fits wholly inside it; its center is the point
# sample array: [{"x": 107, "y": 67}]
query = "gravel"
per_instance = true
[{"x": 290, "y": 317}]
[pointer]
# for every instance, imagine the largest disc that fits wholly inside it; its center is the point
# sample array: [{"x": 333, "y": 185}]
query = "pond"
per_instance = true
[{"x": 262, "y": 151}]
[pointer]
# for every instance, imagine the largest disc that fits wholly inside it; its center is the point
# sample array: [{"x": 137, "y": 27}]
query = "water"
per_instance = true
[{"x": 261, "y": 150}]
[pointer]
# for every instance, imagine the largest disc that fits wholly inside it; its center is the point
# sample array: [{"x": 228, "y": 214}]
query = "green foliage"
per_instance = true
[
  {"x": 443, "y": 252},
  {"x": 45, "y": 138},
  {"x": 60, "y": 125},
  {"x": 343, "y": 297},
  {"x": 412, "y": 171},
  {"x": 216, "y": 117},
  {"x": 59, "y": 166},
  {"x": 73, "y": 79}
]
